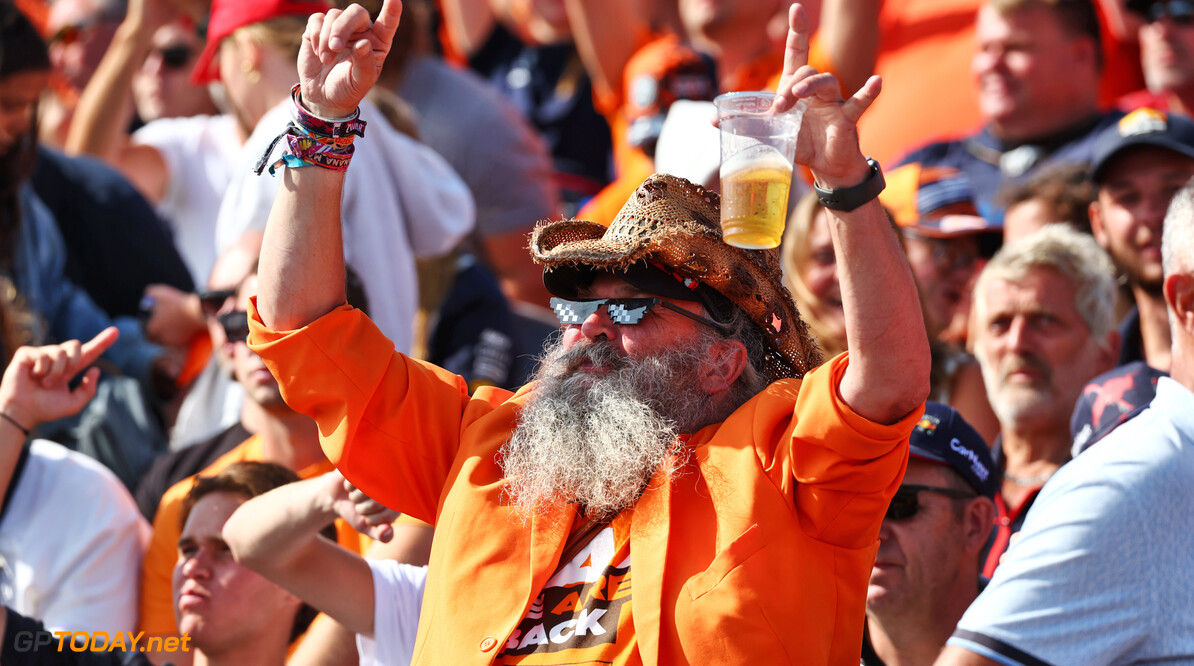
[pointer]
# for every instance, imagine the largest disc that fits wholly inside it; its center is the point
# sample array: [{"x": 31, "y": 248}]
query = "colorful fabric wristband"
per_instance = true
[{"x": 314, "y": 141}]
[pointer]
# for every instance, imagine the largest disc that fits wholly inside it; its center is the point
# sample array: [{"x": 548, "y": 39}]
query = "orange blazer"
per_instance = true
[{"x": 757, "y": 551}]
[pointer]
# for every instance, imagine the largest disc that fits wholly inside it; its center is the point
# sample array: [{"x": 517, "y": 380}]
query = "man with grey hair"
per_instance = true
[
  {"x": 1101, "y": 572},
  {"x": 1043, "y": 326}
]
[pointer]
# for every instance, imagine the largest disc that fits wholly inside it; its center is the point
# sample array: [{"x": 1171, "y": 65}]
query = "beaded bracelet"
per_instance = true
[{"x": 314, "y": 141}]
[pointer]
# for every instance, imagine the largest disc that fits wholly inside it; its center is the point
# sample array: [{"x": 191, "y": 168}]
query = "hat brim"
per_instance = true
[
  {"x": 954, "y": 226},
  {"x": 1158, "y": 140},
  {"x": 696, "y": 251},
  {"x": 206, "y": 68}
]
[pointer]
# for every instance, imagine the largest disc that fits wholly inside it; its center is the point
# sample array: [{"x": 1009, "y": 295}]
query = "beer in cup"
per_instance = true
[{"x": 757, "y": 148}]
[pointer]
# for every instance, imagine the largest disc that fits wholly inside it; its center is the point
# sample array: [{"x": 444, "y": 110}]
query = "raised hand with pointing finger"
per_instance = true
[{"x": 828, "y": 142}]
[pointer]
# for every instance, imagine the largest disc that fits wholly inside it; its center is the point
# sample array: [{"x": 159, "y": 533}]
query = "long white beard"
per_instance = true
[{"x": 598, "y": 439}]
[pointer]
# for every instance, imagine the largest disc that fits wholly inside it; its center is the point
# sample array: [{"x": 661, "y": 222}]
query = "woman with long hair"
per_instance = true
[{"x": 810, "y": 273}]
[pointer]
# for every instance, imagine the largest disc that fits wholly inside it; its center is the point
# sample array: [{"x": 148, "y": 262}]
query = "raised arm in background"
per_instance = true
[
  {"x": 606, "y": 33},
  {"x": 468, "y": 24},
  {"x": 849, "y": 30},
  {"x": 100, "y": 123}
]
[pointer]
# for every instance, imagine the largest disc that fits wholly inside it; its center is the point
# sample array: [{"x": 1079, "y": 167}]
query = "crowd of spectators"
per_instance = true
[{"x": 155, "y": 481}]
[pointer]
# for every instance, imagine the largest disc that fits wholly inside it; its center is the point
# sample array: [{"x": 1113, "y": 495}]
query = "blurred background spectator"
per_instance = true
[
  {"x": 1059, "y": 193},
  {"x": 1044, "y": 326},
  {"x": 1037, "y": 68}
]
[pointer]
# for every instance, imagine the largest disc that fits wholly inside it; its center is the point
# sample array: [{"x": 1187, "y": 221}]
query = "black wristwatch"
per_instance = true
[{"x": 849, "y": 198}]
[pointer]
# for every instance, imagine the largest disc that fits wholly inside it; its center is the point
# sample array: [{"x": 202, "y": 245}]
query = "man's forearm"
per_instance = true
[
  {"x": 302, "y": 256},
  {"x": 888, "y": 374},
  {"x": 268, "y": 531},
  {"x": 606, "y": 33},
  {"x": 276, "y": 535},
  {"x": 850, "y": 29},
  {"x": 105, "y": 106}
]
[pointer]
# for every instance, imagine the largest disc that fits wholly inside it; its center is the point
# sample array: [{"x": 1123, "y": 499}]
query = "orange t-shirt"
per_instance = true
[
  {"x": 758, "y": 549},
  {"x": 157, "y": 569}
]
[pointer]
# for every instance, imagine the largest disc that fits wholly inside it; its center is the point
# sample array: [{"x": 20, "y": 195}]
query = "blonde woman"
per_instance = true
[{"x": 810, "y": 273}]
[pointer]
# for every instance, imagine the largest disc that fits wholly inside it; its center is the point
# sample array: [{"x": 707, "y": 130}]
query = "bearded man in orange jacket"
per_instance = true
[{"x": 684, "y": 481}]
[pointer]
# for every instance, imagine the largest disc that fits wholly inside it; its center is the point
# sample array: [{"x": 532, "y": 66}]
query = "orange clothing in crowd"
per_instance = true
[
  {"x": 925, "y": 48},
  {"x": 758, "y": 550},
  {"x": 157, "y": 569},
  {"x": 635, "y": 167}
]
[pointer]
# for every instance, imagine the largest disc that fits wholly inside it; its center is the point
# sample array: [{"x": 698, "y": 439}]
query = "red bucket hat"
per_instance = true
[{"x": 228, "y": 15}]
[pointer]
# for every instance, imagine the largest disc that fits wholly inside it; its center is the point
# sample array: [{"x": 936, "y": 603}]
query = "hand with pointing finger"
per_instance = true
[
  {"x": 36, "y": 384},
  {"x": 828, "y": 142}
]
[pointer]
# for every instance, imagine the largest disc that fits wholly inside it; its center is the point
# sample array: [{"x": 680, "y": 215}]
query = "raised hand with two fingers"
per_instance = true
[{"x": 828, "y": 142}]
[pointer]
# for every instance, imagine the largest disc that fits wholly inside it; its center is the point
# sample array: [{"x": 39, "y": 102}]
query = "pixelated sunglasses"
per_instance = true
[{"x": 623, "y": 311}]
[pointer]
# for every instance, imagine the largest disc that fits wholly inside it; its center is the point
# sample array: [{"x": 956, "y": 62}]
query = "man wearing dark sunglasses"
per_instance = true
[
  {"x": 699, "y": 448},
  {"x": 162, "y": 87},
  {"x": 1166, "y": 37},
  {"x": 926, "y": 571}
]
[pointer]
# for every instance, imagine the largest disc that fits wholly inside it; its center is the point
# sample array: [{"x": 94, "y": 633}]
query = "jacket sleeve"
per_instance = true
[
  {"x": 392, "y": 425},
  {"x": 846, "y": 467}
]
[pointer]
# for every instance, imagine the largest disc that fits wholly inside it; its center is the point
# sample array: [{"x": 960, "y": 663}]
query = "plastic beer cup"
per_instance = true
[{"x": 757, "y": 149}]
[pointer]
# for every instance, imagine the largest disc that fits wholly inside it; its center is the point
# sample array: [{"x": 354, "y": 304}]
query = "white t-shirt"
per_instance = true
[
  {"x": 397, "y": 597},
  {"x": 213, "y": 403},
  {"x": 400, "y": 200},
  {"x": 1101, "y": 573},
  {"x": 71, "y": 543},
  {"x": 199, "y": 152}
]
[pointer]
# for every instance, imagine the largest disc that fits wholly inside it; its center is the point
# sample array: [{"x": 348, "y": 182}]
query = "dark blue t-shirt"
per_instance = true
[
  {"x": 551, "y": 88},
  {"x": 116, "y": 244}
]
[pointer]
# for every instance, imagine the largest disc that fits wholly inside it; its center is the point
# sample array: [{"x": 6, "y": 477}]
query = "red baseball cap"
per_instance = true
[{"x": 228, "y": 15}]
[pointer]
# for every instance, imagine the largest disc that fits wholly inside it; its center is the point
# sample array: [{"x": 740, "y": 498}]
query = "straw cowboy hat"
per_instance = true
[{"x": 673, "y": 224}]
